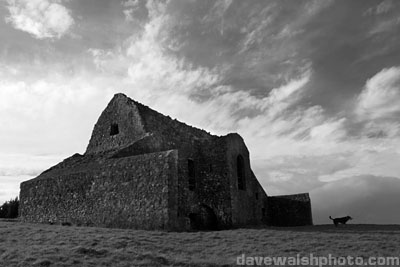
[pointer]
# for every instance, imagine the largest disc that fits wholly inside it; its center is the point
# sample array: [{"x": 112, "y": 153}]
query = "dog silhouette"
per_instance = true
[{"x": 342, "y": 220}]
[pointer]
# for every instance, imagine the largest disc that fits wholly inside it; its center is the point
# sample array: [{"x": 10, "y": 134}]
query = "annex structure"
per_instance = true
[{"x": 144, "y": 170}]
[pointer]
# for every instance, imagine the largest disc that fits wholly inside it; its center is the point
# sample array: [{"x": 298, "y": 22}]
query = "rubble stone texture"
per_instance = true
[{"x": 144, "y": 170}]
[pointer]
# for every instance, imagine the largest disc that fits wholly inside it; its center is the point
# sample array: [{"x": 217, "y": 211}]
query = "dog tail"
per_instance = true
[{"x": 330, "y": 218}]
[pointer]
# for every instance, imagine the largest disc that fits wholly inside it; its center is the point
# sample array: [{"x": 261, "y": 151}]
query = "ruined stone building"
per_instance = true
[{"x": 145, "y": 170}]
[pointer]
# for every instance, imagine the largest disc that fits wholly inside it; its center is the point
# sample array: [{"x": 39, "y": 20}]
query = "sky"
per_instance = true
[{"x": 313, "y": 87}]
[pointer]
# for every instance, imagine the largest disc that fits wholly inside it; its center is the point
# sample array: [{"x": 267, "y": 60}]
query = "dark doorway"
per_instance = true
[{"x": 204, "y": 219}]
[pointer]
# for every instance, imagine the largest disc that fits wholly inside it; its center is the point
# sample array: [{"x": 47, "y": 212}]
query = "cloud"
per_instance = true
[
  {"x": 110, "y": 62},
  {"x": 217, "y": 13},
  {"x": 367, "y": 198},
  {"x": 286, "y": 174},
  {"x": 274, "y": 126},
  {"x": 41, "y": 18},
  {"x": 131, "y": 3},
  {"x": 286, "y": 166},
  {"x": 224, "y": 67},
  {"x": 385, "y": 26},
  {"x": 13, "y": 165},
  {"x": 313, "y": 7},
  {"x": 219, "y": 107},
  {"x": 44, "y": 115},
  {"x": 378, "y": 157},
  {"x": 387, "y": 20},
  {"x": 330, "y": 129},
  {"x": 16, "y": 168},
  {"x": 380, "y": 9},
  {"x": 161, "y": 79},
  {"x": 41, "y": 98},
  {"x": 380, "y": 96},
  {"x": 9, "y": 186},
  {"x": 384, "y": 7},
  {"x": 130, "y": 7}
]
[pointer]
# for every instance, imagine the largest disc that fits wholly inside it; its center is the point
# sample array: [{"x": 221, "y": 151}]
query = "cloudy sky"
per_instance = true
[{"x": 312, "y": 86}]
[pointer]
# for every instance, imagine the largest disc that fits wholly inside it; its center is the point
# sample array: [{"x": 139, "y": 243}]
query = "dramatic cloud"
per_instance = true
[
  {"x": 40, "y": 18},
  {"x": 49, "y": 119},
  {"x": 312, "y": 86},
  {"x": 381, "y": 95},
  {"x": 388, "y": 17},
  {"x": 284, "y": 137},
  {"x": 161, "y": 79},
  {"x": 42, "y": 112}
]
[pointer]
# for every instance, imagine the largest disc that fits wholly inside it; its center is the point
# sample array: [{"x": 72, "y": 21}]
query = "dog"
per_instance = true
[{"x": 342, "y": 220}]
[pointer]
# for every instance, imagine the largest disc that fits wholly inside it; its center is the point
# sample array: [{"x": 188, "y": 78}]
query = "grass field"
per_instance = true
[{"x": 23, "y": 244}]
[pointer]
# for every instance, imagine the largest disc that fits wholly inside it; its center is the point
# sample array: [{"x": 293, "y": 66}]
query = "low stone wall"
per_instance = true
[
  {"x": 132, "y": 192},
  {"x": 289, "y": 210}
]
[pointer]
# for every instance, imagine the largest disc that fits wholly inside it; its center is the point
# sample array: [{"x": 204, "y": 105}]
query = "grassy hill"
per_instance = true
[{"x": 23, "y": 244}]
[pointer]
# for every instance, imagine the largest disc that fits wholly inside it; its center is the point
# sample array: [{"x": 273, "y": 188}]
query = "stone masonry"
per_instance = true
[{"x": 144, "y": 170}]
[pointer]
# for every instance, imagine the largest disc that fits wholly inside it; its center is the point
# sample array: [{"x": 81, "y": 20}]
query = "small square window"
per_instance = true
[{"x": 114, "y": 130}]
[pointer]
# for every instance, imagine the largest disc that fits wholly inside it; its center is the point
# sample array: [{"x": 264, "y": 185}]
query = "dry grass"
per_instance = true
[{"x": 23, "y": 244}]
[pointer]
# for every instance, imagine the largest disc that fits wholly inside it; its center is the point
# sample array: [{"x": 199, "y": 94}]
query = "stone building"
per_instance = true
[{"x": 145, "y": 170}]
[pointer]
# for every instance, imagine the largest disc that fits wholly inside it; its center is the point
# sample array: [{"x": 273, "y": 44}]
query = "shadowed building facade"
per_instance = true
[{"x": 144, "y": 170}]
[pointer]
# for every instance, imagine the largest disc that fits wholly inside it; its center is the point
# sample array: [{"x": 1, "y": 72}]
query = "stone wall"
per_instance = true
[
  {"x": 249, "y": 205},
  {"x": 136, "y": 122},
  {"x": 290, "y": 210},
  {"x": 135, "y": 174},
  {"x": 171, "y": 129},
  {"x": 211, "y": 188},
  {"x": 123, "y": 112},
  {"x": 132, "y": 192},
  {"x": 208, "y": 153}
]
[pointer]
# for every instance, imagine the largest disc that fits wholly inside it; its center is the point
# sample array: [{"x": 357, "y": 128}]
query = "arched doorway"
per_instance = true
[{"x": 203, "y": 218}]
